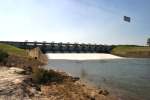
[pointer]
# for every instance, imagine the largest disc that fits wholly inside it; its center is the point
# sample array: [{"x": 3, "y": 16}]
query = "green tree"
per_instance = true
[{"x": 148, "y": 41}]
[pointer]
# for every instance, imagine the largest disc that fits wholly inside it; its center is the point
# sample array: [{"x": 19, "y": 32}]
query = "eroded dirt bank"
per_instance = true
[{"x": 16, "y": 85}]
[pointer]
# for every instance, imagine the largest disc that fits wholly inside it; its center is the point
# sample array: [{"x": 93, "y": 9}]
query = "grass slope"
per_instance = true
[
  {"x": 11, "y": 50},
  {"x": 132, "y": 51}
]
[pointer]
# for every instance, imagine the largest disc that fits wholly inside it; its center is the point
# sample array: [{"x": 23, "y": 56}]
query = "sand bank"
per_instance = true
[{"x": 82, "y": 56}]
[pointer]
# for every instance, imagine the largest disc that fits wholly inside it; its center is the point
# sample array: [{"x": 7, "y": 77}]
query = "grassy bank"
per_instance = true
[
  {"x": 11, "y": 50},
  {"x": 13, "y": 56},
  {"x": 132, "y": 51}
]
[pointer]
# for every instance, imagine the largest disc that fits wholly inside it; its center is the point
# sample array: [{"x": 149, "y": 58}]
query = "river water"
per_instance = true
[{"x": 129, "y": 79}]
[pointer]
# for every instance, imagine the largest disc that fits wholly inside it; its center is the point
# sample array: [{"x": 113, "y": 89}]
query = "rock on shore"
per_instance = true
[{"x": 11, "y": 87}]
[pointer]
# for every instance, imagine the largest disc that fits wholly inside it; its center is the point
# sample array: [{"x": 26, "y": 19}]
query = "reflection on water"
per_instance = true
[
  {"x": 129, "y": 78},
  {"x": 83, "y": 73}
]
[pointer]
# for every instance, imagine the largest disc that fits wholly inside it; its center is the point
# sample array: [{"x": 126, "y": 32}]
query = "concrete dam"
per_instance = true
[{"x": 62, "y": 47}]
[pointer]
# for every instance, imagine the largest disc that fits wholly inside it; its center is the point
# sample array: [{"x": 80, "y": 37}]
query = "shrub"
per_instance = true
[
  {"x": 40, "y": 75},
  {"x": 3, "y": 55}
]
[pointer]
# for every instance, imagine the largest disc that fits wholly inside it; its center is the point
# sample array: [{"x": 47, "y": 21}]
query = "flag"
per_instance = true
[{"x": 127, "y": 19}]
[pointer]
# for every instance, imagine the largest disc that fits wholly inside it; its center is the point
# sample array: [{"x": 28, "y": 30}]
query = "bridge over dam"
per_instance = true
[{"x": 62, "y": 47}]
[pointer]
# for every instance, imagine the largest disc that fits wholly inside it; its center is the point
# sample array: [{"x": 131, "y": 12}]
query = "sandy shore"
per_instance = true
[{"x": 82, "y": 56}]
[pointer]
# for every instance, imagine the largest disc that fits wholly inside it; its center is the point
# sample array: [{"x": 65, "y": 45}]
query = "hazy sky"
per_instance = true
[{"x": 88, "y": 21}]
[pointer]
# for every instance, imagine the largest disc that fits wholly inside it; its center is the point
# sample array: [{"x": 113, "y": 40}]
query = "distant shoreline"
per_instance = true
[
  {"x": 131, "y": 51},
  {"x": 82, "y": 56}
]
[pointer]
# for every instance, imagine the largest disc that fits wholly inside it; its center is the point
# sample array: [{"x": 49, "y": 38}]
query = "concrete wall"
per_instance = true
[{"x": 36, "y": 53}]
